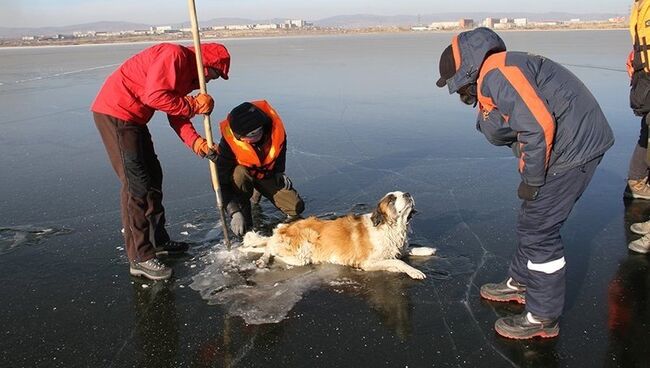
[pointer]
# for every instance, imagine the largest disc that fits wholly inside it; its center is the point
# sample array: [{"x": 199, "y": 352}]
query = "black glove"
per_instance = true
[
  {"x": 238, "y": 224},
  {"x": 283, "y": 181},
  {"x": 527, "y": 192},
  {"x": 212, "y": 155},
  {"x": 515, "y": 149}
]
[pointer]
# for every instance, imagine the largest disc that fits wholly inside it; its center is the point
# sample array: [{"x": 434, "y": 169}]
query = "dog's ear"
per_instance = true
[{"x": 378, "y": 217}]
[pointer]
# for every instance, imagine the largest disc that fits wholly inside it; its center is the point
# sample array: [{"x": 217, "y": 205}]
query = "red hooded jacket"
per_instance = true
[{"x": 158, "y": 78}]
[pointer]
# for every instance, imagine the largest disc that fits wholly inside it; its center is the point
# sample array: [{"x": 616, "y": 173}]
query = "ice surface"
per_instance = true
[
  {"x": 230, "y": 278},
  {"x": 12, "y": 238},
  {"x": 353, "y": 137}
]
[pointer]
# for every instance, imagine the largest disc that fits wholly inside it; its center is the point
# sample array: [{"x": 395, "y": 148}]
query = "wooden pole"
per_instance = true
[{"x": 206, "y": 118}]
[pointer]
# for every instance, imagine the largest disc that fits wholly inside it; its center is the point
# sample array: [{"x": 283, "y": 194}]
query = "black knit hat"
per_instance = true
[
  {"x": 247, "y": 117},
  {"x": 447, "y": 66}
]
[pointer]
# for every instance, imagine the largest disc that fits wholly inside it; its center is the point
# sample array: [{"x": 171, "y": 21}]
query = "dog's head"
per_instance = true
[{"x": 394, "y": 208}]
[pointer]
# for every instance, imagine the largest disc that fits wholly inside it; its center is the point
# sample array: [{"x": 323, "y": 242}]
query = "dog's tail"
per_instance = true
[{"x": 254, "y": 242}]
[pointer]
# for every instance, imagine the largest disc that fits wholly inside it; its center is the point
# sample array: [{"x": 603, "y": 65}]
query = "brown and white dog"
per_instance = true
[{"x": 372, "y": 242}]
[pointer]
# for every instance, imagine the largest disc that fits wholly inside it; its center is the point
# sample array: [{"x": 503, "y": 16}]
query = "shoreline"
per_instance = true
[{"x": 256, "y": 35}]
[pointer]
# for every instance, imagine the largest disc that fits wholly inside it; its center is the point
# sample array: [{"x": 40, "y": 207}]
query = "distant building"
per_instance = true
[
  {"x": 490, "y": 22},
  {"x": 503, "y": 25},
  {"x": 217, "y": 28},
  {"x": 85, "y": 34},
  {"x": 420, "y": 28},
  {"x": 520, "y": 22},
  {"x": 466, "y": 23},
  {"x": 574, "y": 20},
  {"x": 295, "y": 23},
  {"x": 546, "y": 23},
  {"x": 238, "y": 27},
  {"x": 160, "y": 29},
  {"x": 266, "y": 26},
  {"x": 444, "y": 25},
  {"x": 616, "y": 20},
  {"x": 28, "y": 38},
  {"x": 506, "y": 20}
]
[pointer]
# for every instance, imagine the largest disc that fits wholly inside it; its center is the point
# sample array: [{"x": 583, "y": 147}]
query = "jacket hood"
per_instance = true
[
  {"x": 215, "y": 55},
  {"x": 470, "y": 49}
]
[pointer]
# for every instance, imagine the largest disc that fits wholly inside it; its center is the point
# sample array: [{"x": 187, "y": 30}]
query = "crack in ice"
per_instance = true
[{"x": 470, "y": 282}]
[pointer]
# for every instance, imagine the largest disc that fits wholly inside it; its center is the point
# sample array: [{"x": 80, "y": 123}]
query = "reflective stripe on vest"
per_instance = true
[
  {"x": 529, "y": 96},
  {"x": 245, "y": 153},
  {"x": 640, "y": 31},
  {"x": 548, "y": 267}
]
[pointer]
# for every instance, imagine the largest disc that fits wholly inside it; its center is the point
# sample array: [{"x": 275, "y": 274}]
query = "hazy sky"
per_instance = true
[{"x": 40, "y": 13}]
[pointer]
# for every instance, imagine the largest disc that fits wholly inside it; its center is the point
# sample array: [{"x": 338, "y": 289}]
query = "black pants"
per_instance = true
[
  {"x": 643, "y": 134},
  {"x": 134, "y": 160},
  {"x": 539, "y": 261}
]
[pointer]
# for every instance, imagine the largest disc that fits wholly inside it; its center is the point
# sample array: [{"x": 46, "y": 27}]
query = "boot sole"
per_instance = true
[
  {"x": 135, "y": 272},
  {"x": 634, "y": 196},
  {"x": 516, "y": 299},
  {"x": 545, "y": 334},
  {"x": 639, "y": 232},
  {"x": 638, "y": 250}
]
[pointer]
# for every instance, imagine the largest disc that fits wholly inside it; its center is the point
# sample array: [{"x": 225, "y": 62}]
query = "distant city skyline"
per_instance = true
[{"x": 45, "y": 13}]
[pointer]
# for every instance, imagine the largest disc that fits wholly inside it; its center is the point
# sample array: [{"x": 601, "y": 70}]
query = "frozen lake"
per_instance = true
[{"x": 363, "y": 118}]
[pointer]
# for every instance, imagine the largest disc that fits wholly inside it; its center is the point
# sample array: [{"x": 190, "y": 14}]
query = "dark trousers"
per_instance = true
[
  {"x": 134, "y": 160},
  {"x": 287, "y": 201},
  {"x": 639, "y": 160},
  {"x": 539, "y": 260},
  {"x": 643, "y": 133}
]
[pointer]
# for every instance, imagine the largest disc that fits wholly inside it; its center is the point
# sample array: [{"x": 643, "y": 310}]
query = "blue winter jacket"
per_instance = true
[{"x": 533, "y": 104}]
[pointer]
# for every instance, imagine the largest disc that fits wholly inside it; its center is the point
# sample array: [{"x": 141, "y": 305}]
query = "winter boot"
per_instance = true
[
  {"x": 505, "y": 291},
  {"x": 637, "y": 188},
  {"x": 641, "y": 228},
  {"x": 171, "y": 248},
  {"x": 526, "y": 326},
  {"x": 152, "y": 269},
  {"x": 641, "y": 245}
]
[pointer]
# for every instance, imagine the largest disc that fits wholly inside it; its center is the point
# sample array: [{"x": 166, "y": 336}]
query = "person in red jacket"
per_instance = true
[{"x": 159, "y": 78}]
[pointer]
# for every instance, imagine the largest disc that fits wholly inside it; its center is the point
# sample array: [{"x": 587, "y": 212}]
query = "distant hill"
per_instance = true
[
  {"x": 343, "y": 21},
  {"x": 6, "y": 32}
]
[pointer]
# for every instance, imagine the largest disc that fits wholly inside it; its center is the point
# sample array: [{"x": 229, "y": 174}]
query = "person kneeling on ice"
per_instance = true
[
  {"x": 251, "y": 156},
  {"x": 158, "y": 78},
  {"x": 558, "y": 132}
]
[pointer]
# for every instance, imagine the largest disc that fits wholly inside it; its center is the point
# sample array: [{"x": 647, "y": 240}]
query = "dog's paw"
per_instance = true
[
  {"x": 260, "y": 263},
  {"x": 422, "y": 251},
  {"x": 416, "y": 274}
]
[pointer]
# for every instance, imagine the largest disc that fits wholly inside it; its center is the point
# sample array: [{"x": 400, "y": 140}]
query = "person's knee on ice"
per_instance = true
[{"x": 251, "y": 158}]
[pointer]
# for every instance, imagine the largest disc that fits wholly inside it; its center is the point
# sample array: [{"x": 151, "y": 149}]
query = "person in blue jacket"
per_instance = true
[{"x": 559, "y": 134}]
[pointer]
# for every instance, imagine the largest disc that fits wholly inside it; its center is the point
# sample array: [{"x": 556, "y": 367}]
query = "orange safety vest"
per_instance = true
[{"x": 246, "y": 155}]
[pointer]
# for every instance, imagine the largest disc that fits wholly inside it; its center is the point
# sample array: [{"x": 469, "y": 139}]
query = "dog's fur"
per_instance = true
[{"x": 371, "y": 242}]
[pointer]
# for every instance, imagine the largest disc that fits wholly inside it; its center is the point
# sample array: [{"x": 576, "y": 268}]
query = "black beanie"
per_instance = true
[
  {"x": 447, "y": 66},
  {"x": 247, "y": 117}
]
